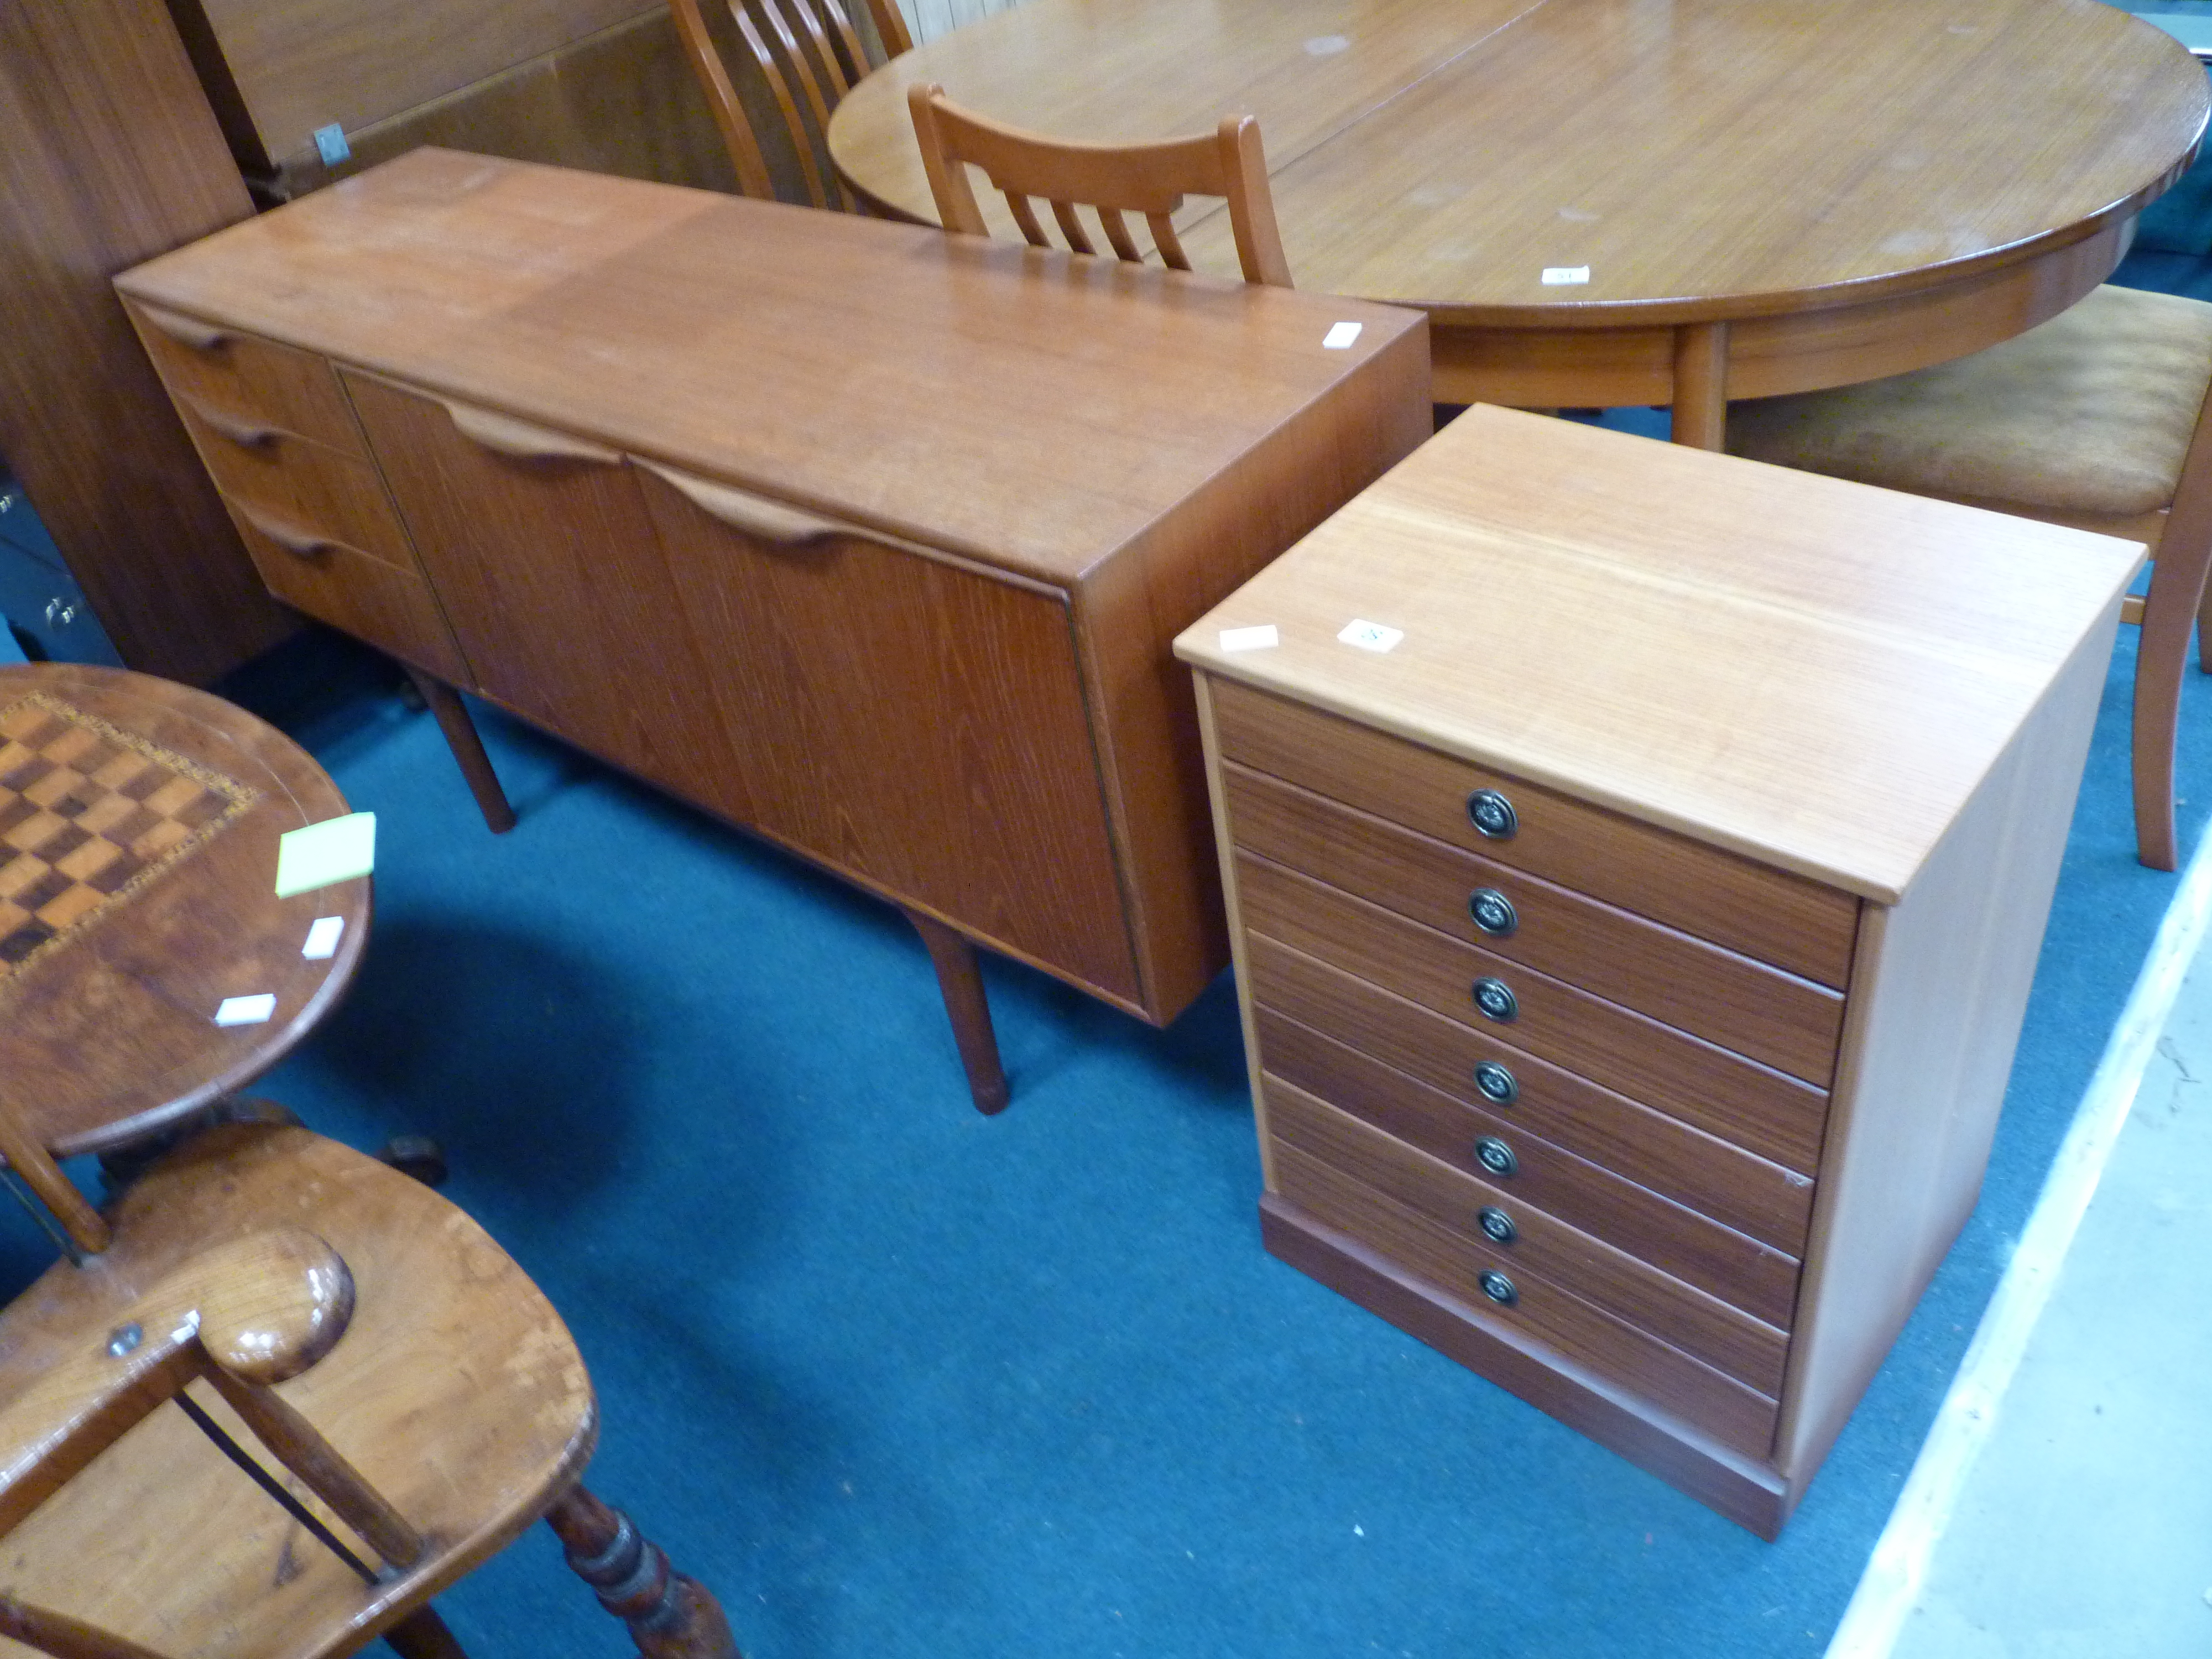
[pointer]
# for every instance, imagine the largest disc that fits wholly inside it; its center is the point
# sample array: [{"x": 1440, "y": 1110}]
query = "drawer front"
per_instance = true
[
  {"x": 1716, "y": 1177},
  {"x": 242, "y": 379},
  {"x": 1530, "y": 1171},
  {"x": 1732, "y": 1412},
  {"x": 1775, "y": 917},
  {"x": 1778, "y": 1018},
  {"x": 291, "y": 481},
  {"x": 1542, "y": 1245},
  {"x": 337, "y": 583},
  {"x": 1763, "y": 1111}
]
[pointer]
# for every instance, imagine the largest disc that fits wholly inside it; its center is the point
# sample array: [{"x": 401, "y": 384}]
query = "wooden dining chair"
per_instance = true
[
  {"x": 2099, "y": 419},
  {"x": 808, "y": 54},
  {"x": 1114, "y": 180},
  {"x": 287, "y": 1396}
]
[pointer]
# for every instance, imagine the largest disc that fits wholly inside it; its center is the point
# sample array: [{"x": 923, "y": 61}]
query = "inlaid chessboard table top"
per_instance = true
[{"x": 138, "y": 830}]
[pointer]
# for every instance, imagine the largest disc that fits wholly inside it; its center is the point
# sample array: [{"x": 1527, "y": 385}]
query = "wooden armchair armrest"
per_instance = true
[{"x": 244, "y": 1314}]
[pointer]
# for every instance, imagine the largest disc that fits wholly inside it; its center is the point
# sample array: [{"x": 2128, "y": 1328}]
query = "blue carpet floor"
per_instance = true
[{"x": 898, "y": 1380}]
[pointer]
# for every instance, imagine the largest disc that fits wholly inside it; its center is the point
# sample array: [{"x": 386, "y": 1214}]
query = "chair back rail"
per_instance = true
[
  {"x": 1148, "y": 181},
  {"x": 808, "y": 54}
]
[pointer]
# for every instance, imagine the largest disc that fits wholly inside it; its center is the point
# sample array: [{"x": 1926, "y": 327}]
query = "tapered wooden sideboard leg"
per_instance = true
[
  {"x": 422, "y": 1635},
  {"x": 961, "y": 983},
  {"x": 669, "y": 1616},
  {"x": 468, "y": 750}
]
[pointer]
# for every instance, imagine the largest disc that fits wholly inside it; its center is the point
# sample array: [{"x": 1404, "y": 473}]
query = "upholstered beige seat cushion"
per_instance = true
[{"x": 2090, "y": 413}]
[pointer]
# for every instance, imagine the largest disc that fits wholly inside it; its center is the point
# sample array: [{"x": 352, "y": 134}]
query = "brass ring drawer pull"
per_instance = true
[
  {"x": 1492, "y": 814},
  {"x": 1493, "y": 912},
  {"x": 1494, "y": 999},
  {"x": 1496, "y": 1085}
]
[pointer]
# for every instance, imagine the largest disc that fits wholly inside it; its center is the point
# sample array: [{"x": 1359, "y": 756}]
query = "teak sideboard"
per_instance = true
[
  {"x": 1633, "y": 949},
  {"x": 866, "y": 539}
]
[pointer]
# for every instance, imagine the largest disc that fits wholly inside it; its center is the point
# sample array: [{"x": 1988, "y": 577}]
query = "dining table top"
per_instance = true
[{"x": 1584, "y": 163}]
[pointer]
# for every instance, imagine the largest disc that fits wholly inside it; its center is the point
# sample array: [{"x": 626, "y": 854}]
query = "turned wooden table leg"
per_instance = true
[
  {"x": 422, "y": 1635},
  {"x": 669, "y": 1616},
  {"x": 468, "y": 751},
  {"x": 961, "y": 984},
  {"x": 1701, "y": 385}
]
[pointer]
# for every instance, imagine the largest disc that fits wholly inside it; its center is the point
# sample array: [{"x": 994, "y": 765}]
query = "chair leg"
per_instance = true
[
  {"x": 2170, "y": 612},
  {"x": 422, "y": 1635},
  {"x": 468, "y": 749},
  {"x": 669, "y": 1616},
  {"x": 962, "y": 984}
]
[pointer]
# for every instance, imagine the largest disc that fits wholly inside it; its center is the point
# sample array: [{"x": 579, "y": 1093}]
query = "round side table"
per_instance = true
[{"x": 138, "y": 828}]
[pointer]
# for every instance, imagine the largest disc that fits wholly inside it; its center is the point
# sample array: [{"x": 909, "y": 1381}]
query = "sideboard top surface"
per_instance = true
[
  {"x": 1813, "y": 674},
  {"x": 1031, "y": 409}
]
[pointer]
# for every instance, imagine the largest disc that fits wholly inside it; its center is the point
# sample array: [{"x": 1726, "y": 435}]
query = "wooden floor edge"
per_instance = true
[{"x": 1755, "y": 1496}]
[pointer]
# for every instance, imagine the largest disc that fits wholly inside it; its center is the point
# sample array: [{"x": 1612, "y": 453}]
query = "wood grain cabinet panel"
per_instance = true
[
  {"x": 523, "y": 533},
  {"x": 984, "y": 734},
  {"x": 1631, "y": 956}
]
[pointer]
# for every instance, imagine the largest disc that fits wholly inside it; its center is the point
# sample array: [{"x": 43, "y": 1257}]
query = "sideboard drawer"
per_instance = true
[
  {"x": 241, "y": 378},
  {"x": 1764, "y": 1111},
  {"x": 1711, "y": 1400},
  {"x": 337, "y": 583},
  {"x": 293, "y": 481},
  {"x": 1767, "y": 914},
  {"x": 1740, "y": 1190},
  {"x": 1778, "y": 1018},
  {"x": 1505, "y": 1155}
]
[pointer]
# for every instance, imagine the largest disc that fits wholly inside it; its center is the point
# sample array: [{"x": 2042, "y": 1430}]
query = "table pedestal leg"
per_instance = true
[
  {"x": 468, "y": 750},
  {"x": 1701, "y": 385},
  {"x": 963, "y": 986}
]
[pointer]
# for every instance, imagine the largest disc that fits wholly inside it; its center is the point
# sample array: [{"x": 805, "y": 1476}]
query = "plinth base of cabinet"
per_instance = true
[{"x": 1748, "y": 1493}]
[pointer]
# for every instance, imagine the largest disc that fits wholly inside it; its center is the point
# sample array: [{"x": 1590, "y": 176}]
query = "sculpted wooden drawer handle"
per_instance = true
[
  {"x": 503, "y": 434},
  {"x": 303, "y": 543},
  {"x": 755, "y": 515},
  {"x": 186, "y": 331},
  {"x": 246, "y": 435}
]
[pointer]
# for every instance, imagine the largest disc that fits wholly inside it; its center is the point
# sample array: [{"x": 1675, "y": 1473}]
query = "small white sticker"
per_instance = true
[
  {"x": 1250, "y": 639},
  {"x": 331, "y": 144},
  {"x": 246, "y": 1011},
  {"x": 323, "y": 937},
  {"x": 1339, "y": 336},
  {"x": 1371, "y": 636},
  {"x": 1326, "y": 46},
  {"x": 1561, "y": 276}
]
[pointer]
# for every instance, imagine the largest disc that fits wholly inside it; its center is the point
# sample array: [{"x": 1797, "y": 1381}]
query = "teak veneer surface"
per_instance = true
[
  {"x": 911, "y": 387},
  {"x": 1705, "y": 159},
  {"x": 1547, "y": 575}
]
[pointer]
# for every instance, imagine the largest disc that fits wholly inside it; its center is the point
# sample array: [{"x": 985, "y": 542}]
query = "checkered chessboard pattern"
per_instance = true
[{"x": 90, "y": 816}]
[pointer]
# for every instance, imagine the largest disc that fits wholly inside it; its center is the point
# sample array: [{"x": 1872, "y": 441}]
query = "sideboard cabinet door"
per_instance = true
[
  {"x": 909, "y": 718},
  {"x": 541, "y": 550}
]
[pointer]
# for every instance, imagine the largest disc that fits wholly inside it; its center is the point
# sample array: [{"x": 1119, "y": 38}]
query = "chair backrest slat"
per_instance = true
[
  {"x": 1148, "y": 178},
  {"x": 808, "y": 54}
]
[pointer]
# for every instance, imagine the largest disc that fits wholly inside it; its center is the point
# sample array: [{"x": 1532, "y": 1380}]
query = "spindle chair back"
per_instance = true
[
  {"x": 808, "y": 54},
  {"x": 1116, "y": 181}
]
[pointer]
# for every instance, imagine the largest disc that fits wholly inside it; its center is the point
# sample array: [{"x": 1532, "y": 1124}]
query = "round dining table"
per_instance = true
[{"x": 1619, "y": 202}]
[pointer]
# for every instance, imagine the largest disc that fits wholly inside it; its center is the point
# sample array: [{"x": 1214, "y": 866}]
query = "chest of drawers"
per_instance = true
[
  {"x": 866, "y": 539},
  {"x": 1633, "y": 948}
]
